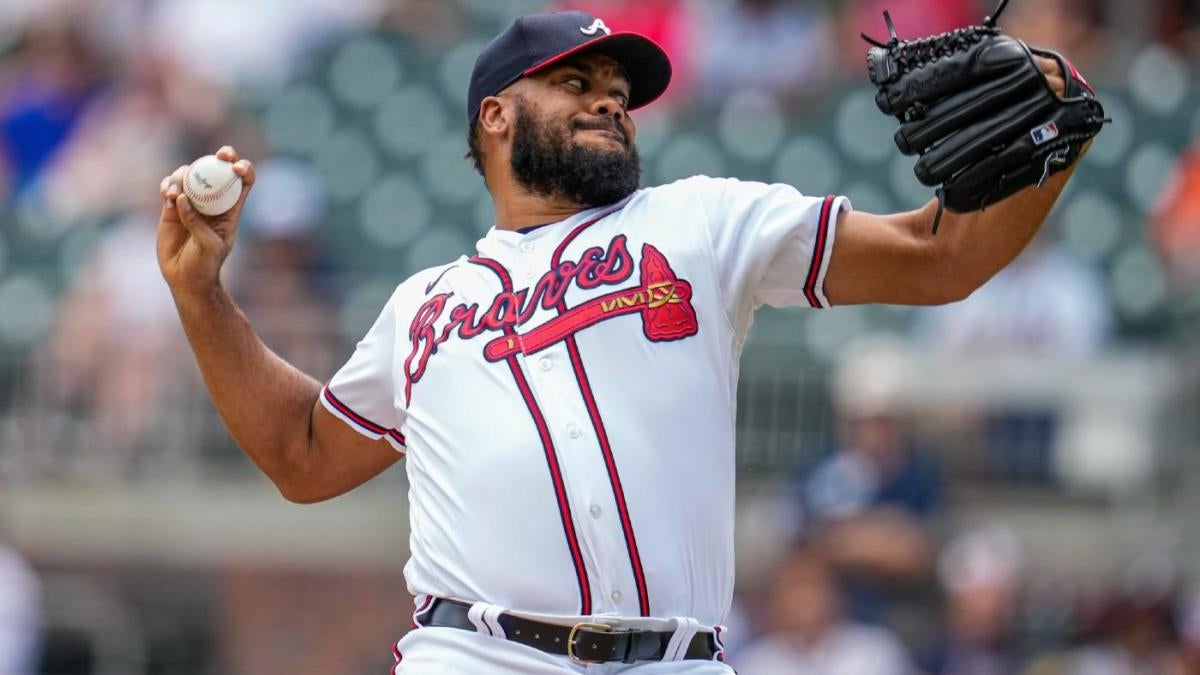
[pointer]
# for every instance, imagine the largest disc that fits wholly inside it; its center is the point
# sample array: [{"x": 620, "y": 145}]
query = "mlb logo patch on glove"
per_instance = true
[{"x": 1045, "y": 133}]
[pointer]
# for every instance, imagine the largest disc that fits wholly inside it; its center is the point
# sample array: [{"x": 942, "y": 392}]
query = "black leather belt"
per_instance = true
[{"x": 584, "y": 642}]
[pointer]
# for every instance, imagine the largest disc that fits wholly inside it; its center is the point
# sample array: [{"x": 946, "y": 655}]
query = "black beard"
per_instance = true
[{"x": 547, "y": 162}]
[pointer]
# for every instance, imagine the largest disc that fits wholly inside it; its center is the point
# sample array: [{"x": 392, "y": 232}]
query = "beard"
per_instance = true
[{"x": 548, "y": 162}]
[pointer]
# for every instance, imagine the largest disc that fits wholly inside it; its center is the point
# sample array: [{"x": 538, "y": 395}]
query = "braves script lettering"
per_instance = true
[
  {"x": 664, "y": 301},
  {"x": 508, "y": 310}
]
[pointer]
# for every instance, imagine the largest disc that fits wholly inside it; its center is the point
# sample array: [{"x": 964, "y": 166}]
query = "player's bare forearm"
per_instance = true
[
  {"x": 880, "y": 542},
  {"x": 971, "y": 248},
  {"x": 270, "y": 407},
  {"x": 265, "y": 402},
  {"x": 896, "y": 259}
]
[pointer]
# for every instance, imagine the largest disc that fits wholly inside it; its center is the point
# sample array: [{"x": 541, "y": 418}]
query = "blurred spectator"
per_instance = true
[
  {"x": 436, "y": 23},
  {"x": 782, "y": 48},
  {"x": 1046, "y": 304},
  {"x": 124, "y": 143},
  {"x": 1133, "y": 638},
  {"x": 20, "y": 614},
  {"x": 1133, "y": 632},
  {"x": 1177, "y": 23},
  {"x": 228, "y": 42},
  {"x": 1176, "y": 222},
  {"x": 1189, "y": 627},
  {"x": 103, "y": 378},
  {"x": 979, "y": 573},
  {"x": 872, "y": 502},
  {"x": 808, "y": 632},
  {"x": 1076, "y": 28},
  {"x": 46, "y": 86}
]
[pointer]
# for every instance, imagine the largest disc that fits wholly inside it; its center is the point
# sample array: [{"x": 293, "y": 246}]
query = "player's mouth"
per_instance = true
[{"x": 608, "y": 130}]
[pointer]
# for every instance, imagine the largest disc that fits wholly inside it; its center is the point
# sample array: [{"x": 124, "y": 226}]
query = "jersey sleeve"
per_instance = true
[
  {"x": 772, "y": 244},
  {"x": 363, "y": 392}
]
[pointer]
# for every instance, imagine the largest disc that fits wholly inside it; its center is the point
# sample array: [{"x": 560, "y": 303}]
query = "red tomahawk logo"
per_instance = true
[{"x": 664, "y": 301}]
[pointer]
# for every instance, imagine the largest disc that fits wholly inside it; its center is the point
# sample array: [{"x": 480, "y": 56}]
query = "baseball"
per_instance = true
[{"x": 211, "y": 185}]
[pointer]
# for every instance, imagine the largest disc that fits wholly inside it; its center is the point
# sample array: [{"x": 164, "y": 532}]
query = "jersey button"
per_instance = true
[
  {"x": 595, "y": 510},
  {"x": 527, "y": 246},
  {"x": 545, "y": 364},
  {"x": 616, "y": 596},
  {"x": 573, "y": 431}
]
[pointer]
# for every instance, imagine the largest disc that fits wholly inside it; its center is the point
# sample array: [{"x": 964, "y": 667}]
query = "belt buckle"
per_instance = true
[{"x": 572, "y": 638}]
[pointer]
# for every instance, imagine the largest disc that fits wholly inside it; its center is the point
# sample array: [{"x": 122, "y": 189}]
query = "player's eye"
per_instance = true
[{"x": 576, "y": 83}]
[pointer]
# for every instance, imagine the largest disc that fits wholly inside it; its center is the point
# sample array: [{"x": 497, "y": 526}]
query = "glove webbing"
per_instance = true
[{"x": 935, "y": 44}]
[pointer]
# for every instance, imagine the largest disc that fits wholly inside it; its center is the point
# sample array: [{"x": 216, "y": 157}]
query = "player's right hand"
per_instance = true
[{"x": 192, "y": 247}]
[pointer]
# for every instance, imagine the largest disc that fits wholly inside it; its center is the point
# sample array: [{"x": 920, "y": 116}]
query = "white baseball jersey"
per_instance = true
[{"x": 566, "y": 397}]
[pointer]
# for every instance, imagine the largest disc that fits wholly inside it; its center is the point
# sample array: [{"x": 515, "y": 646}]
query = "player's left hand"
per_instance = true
[
  {"x": 1055, "y": 76},
  {"x": 986, "y": 114}
]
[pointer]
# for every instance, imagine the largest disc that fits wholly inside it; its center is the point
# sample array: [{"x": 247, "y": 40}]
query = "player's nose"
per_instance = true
[{"x": 607, "y": 106}]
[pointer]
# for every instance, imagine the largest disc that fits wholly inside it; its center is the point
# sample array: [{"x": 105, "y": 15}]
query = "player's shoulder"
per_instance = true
[
  {"x": 713, "y": 191},
  {"x": 414, "y": 290},
  {"x": 690, "y": 186}
]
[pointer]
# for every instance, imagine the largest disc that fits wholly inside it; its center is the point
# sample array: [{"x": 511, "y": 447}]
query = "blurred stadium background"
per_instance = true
[{"x": 1002, "y": 486}]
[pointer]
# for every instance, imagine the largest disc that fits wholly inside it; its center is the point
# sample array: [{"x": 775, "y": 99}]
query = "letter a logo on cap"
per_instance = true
[{"x": 596, "y": 27}]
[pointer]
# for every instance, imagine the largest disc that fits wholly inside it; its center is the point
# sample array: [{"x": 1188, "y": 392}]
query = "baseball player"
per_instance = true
[{"x": 565, "y": 395}]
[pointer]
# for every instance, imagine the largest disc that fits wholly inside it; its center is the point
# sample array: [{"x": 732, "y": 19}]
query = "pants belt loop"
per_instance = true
[
  {"x": 491, "y": 617},
  {"x": 422, "y": 605},
  {"x": 685, "y": 629},
  {"x": 486, "y": 619},
  {"x": 717, "y": 631}
]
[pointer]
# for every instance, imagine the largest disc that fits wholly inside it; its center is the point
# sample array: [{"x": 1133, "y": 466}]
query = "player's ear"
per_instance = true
[{"x": 494, "y": 116}]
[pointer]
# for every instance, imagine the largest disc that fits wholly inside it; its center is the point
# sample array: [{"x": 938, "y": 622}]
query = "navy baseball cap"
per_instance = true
[{"x": 538, "y": 41}]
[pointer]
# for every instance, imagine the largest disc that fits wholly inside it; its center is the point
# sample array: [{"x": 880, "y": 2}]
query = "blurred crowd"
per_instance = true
[
  {"x": 878, "y": 577},
  {"x": 101, "y": 98},
  {"x": 980, "y": 617},
  {"x": 98, "y": 100}
]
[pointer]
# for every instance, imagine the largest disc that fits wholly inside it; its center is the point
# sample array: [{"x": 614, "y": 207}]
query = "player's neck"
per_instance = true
[{"x": 515, "y": 211}]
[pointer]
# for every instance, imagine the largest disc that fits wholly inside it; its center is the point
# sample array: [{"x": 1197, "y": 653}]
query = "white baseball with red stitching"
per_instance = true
[{"x": 211, "y": 185}]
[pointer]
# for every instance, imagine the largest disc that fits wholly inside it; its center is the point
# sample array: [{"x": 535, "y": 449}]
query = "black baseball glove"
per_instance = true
[{"x": 980, "y": 113}]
